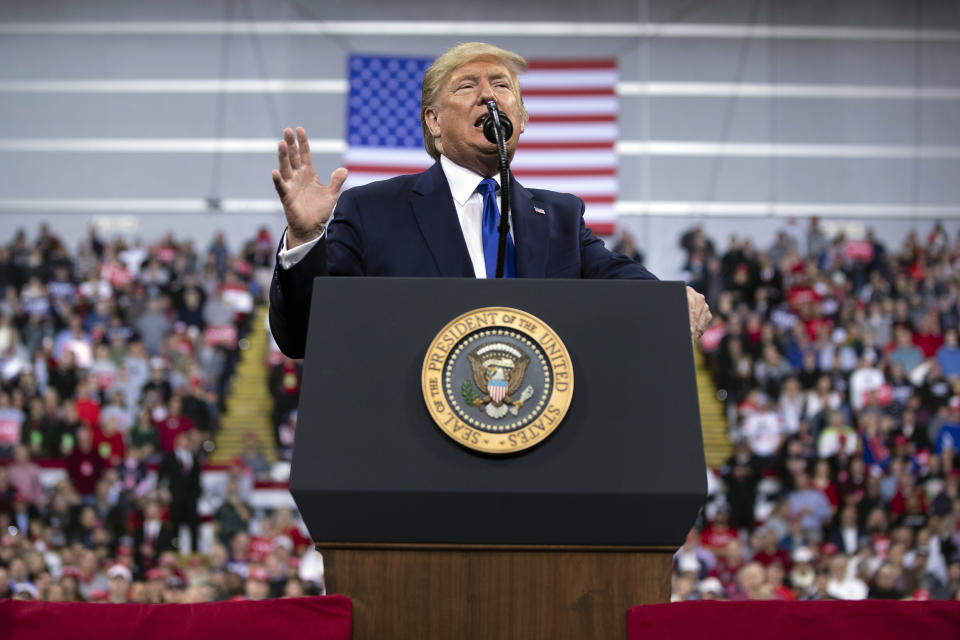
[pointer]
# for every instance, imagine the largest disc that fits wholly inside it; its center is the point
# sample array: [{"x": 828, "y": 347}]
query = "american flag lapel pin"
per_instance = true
[{"x": 540, "y": 211}]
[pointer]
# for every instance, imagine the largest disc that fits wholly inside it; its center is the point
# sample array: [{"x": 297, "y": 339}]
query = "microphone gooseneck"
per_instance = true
[{"x": 498, "y": 129}]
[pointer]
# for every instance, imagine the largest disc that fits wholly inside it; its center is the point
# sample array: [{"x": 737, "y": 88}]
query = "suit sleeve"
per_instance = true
[
  {"x": 338, "y": 253},
  {"x": 599, "y": 262}
]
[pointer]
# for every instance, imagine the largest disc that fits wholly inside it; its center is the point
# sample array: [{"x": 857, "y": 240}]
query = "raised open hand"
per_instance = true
[{"x": 307, "y": 202}]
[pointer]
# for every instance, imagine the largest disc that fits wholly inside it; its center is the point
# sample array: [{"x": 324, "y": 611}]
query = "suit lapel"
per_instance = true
[
  {"x": 530, "y": 234},
  {"x": 433, "y": 208}
]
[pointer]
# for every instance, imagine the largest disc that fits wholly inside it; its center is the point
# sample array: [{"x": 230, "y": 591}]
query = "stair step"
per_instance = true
[
  {"x": 249, "y": 404},
  {"x": 713, "y": 417}
]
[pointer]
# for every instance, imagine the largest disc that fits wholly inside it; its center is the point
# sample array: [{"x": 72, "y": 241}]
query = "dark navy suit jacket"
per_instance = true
[{"x": 408, "y": 226}]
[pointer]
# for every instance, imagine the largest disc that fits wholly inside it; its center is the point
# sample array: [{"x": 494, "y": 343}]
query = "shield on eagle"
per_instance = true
[{"x": 497, "y": 388}]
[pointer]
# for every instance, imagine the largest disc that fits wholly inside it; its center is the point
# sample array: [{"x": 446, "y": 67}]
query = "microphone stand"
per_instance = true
[{"x": 504, "y": 226}]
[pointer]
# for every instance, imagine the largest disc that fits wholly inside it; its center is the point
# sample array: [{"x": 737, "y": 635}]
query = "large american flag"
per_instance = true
[{"x": 568, "y": 145}]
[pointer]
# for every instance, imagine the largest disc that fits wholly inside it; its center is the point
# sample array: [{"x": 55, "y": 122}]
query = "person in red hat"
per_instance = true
[
  {"x": 257, "y": 586},
  {"x": 156, "y": 579}
]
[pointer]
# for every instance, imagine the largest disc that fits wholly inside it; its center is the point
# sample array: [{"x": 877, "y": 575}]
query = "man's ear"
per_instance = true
[{"x": 433, "y": 125}]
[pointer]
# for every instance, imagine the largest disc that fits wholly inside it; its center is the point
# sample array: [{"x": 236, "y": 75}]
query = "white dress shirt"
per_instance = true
[{"x": 466, "y": 200}]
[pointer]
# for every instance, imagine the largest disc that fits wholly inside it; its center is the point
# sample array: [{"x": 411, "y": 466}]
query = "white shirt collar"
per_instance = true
[{"x": 463, "y": 182}]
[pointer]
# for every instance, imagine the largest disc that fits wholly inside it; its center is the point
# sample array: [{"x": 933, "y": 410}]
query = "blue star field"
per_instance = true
[{"x": 384, "y": 103}]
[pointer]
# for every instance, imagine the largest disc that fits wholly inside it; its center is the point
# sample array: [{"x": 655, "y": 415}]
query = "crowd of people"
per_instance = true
[
  {"x": 838, "y": 363},
  {"x": 115, "y": 363}
]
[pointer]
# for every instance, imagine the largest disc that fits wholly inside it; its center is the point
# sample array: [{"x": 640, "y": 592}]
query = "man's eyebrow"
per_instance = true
[
  {"x": 496, "y": 75},
  {"x": 465, "y": 76}
]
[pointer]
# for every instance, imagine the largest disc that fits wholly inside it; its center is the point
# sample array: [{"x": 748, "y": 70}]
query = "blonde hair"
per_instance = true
[{"x": 439, "y": 72}]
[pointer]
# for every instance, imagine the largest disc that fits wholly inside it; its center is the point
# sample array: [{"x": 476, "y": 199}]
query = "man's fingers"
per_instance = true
[
  {"x": 278, "y": 183},
  {"x": 304, "y": 144},
  {"x": 283, "y": 161},
  {"x": 293, "y": 154},
  {"x": 337, "y": 178},
  {"x": 700, "y": 315}
]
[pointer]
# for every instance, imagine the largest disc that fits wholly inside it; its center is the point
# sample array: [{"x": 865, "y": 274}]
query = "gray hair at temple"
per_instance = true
[{"x": 439, "y": 72}]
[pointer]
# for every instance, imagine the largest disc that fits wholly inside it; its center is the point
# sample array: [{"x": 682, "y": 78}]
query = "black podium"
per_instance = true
[{"x": 432, "y": 539}]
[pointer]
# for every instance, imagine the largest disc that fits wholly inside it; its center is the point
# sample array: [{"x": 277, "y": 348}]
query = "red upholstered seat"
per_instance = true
[
  {"x": 874, "y": 619},
  {"x": 320, "y": 618}
]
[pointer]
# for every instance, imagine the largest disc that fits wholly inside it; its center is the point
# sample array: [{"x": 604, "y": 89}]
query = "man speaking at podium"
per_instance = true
[{"x": 442, "y": 222}]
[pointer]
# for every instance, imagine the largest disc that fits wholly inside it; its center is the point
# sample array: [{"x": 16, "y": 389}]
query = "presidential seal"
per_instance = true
[{"x": 497, "y": 380}]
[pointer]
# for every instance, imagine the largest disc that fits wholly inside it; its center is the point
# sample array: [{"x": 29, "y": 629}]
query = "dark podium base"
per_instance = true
[{"x": 471, "y": 591}]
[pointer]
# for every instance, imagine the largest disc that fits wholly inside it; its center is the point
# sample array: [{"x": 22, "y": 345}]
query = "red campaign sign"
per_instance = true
[
  {"x": 224, "y": 335},
  {"x": 859, "y": 250},
  {"x": 105, "y": 379},
  {"x": 884, "y": 394},
  {"x": 116, "y": 274},
  {"x": 9, "y": 431},
  {"x": 165, "y": 254},
  {"x": 799, "y": 295},
  {"x": 711, "y": 337}
]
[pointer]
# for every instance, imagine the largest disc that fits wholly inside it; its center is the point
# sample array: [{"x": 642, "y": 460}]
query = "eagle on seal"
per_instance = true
[{"x": 498, "y": 371}]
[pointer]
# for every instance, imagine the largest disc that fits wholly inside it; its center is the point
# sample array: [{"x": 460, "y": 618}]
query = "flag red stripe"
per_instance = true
[
  {"x": 393, "y": 170},
  {"x": 599, "y": 199},
  {"x": 571, "y": 64},
  {"x": 602, "y": 228},
  {"x": 588, "y": 117},
  {"x": 566, "y": 92}
]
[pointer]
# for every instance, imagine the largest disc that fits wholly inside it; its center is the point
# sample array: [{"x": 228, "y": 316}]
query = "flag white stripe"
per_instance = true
[
  {"x": 568, "y": 78},
  {"x": 571, "y": 105},
  {"x": 600, "y": 213},
  {"x": 580, "y": 131},
  {"x": 588, "y": 159}
]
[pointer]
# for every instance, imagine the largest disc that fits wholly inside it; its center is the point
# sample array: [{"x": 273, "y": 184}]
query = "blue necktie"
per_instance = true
[{"x": 491, "y": 217}]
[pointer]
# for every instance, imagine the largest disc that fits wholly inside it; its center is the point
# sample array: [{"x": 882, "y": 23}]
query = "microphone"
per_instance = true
[
  {"x": 497, "y": 119},
  {"x": 498, "y": 129}
]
